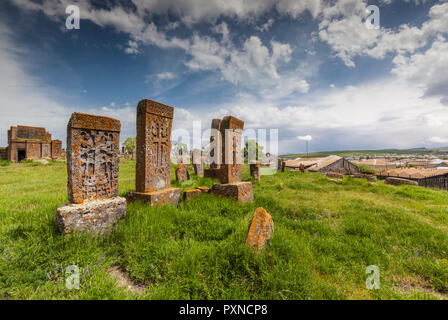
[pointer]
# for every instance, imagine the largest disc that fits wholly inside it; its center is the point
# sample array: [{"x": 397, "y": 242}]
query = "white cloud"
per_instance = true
[
  {"x": 132, "y": 47},
  {"x": 305, "y": 138},
  {"x": 428, "y": 70},
  {"x": 343, "y": 29},
  {"x": 166, "y": 76},
  {"x": 438, "y": 140}
]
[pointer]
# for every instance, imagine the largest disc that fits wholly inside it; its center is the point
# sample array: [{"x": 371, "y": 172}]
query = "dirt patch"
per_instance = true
[
  {"x": 124, "y": 281},
  {"x": 408, "y": 284}
]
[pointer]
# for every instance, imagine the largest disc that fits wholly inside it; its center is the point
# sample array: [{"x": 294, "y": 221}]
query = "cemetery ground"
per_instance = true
[{"x": 326, "y": 233}]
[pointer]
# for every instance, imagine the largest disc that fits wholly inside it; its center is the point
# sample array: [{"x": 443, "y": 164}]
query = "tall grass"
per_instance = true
[{"x": 326, "y": 234}]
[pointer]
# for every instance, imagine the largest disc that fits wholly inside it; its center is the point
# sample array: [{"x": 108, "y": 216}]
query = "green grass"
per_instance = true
[{"x": 326, "y": 233}]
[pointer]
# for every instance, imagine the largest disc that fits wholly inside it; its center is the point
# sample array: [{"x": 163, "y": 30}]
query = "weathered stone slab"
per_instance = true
[
  {"x": 154, "y": 122},
  {"x": 190, "y": 194},
  {"x": 96, "y": 216},
  {"x": 56, "y": 149},
  {"x": 225, "y": 150},
  {"x": 182, "y": 173},
  {"x": 261, "y": 229},
  {"x": 153, "y": 168},
  {"x": 160, "y": 197},
  {"x": 198, "y": 163},
  {"x": 241, "y": 191},
  {"x": 255, "y": 171},
  {"x": 371, "y": 177},
  {"x": 400, "y": 181},
  {"x": 231, "y": 132},
  {"x": 92, "y": 157},
  {"x": 92, "y": 166},
  {"x": 203, "y": 189},
  {"x": 334, "y": 175}
]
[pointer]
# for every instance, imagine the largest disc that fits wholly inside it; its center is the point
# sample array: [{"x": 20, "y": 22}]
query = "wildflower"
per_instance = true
[{"x": 86, "y": 270}]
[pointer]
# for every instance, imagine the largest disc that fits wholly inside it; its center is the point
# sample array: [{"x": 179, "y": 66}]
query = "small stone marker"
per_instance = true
[
  {"x": 261, "y": 229},
  {"x": 190, "y": 194},
  {"x": 279, "y": 164},
  {"x": 153, "y": 167},
  {"x": 92, "y": 165},
  {"x": 198, "y": 163},
  {"x": 400, "y": 181},
  {"x": 182, "y": 173},
  {"x": 241, "y": 191},
  {"x": 255, "y": 171}
]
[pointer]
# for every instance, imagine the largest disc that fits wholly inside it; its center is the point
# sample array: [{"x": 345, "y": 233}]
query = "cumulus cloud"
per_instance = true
[
  {"x": 342, "y": 27},
  {"x": 428, "y": 70}
]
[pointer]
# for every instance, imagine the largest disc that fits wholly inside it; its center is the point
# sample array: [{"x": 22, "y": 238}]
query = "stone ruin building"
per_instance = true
[
  {"x": 30, "y": 143},
  {"x": 93, "y": 144}
]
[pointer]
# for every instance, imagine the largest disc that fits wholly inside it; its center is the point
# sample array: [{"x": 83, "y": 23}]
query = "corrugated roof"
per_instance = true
[
  {"x": 375, "y": 162},
  {"x": 307, "y": 162},
  {"x": 325, "y": 162},
  {"x": 414, "y": 173}
]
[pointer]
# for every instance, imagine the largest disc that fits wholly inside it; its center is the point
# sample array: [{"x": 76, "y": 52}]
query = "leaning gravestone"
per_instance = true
[
  {"x": 153, "y": 168},
  {"x": 92, "y": 166}
]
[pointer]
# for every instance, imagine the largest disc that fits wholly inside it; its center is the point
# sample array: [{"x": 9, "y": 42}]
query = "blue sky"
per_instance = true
[{"x": 307, "y": 67}]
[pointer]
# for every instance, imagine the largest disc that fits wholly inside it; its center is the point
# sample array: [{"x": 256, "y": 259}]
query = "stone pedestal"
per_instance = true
[
  {"x": 190, "y": 194},
  {"x": 96, "y": 216},
  {"x": 161, "y": 197},
  {"x": 241, "y": 191}
]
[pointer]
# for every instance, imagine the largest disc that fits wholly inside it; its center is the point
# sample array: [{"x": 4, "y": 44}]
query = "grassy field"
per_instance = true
[{"x": 326, "y": 233}]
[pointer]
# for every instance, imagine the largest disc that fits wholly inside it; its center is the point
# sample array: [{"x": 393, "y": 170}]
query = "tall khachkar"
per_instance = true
[
  {"x": 92, "y": 167},
  {"x": 231, "y": 132},
  {"x": 153, "y": 169},
  {"x": 226, "y": 141}
]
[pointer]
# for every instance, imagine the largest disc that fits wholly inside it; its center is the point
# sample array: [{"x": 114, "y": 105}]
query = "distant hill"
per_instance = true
[{"x": 347, "y": 153}]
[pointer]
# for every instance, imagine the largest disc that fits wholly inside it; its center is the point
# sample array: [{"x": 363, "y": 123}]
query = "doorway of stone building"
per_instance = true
[{"x": 21, "y": 155}]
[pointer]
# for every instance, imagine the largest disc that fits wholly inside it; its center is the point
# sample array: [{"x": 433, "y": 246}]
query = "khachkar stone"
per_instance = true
[
  {"x": 182, "y": 173},
  {"x": 215, "y": 150},
  {"x": 255, "y": 170},
  {"x": 153, "y": 169},
  {"x": 261, "y": 229},
  {"x": 229, "y": 172},
  {"x": 198, "y": 163},
  {"x": 92, "y": 167}
]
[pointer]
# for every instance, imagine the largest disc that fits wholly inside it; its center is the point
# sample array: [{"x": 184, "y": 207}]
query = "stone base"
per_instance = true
[
  {"x": 241, "y": 191},
  {"x": 400, "y": 181},
  {"x": 161, "y": 197},
  {"x": 190, "y": 194},
  {"x": 96, "y": 216}
]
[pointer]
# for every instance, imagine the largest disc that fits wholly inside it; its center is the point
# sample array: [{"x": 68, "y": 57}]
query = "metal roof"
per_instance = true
[{"x": 414, "y": 173}]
